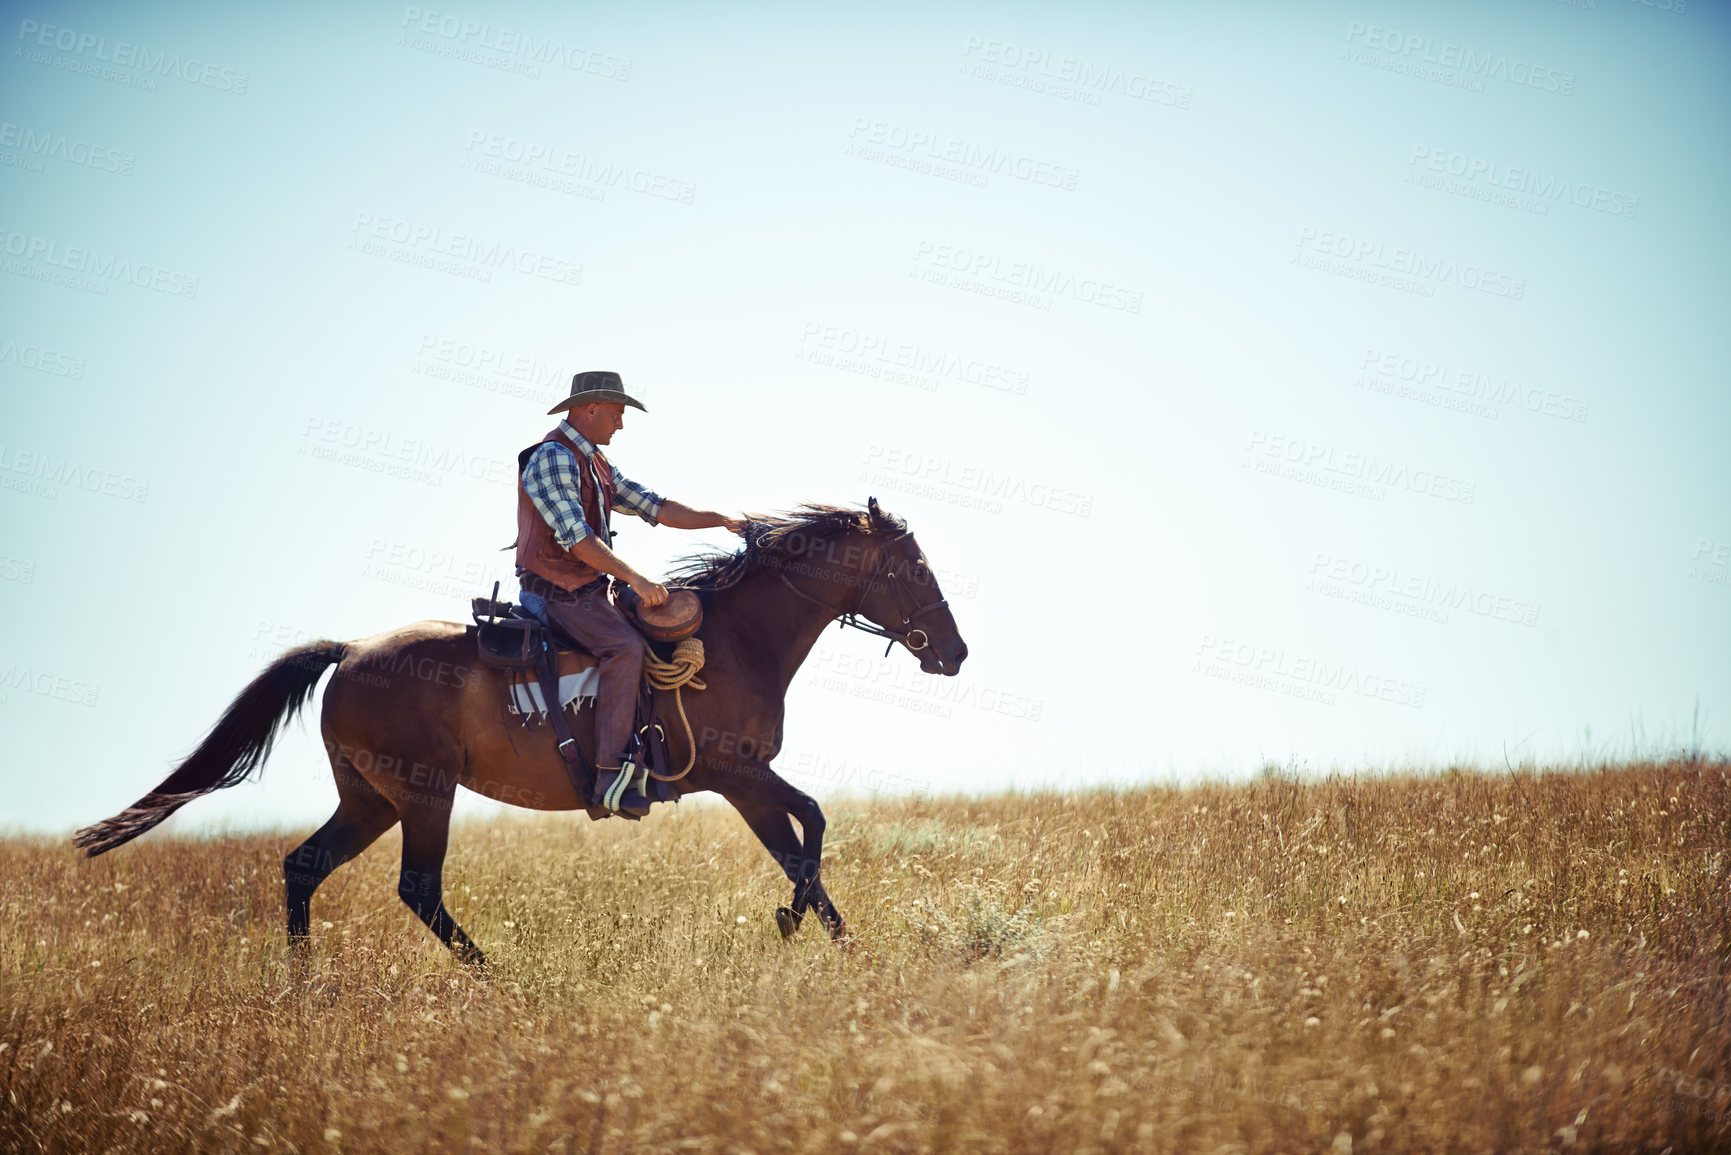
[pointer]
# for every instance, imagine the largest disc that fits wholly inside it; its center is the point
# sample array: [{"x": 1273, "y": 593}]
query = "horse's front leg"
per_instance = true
[{"x": 767, "y": 810}]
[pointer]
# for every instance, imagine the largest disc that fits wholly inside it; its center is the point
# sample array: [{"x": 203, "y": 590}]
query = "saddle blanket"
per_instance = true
[{"x": 526, "y": 697}]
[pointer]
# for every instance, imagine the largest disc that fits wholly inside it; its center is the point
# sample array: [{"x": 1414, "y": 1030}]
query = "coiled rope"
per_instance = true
[{"x": 675, "y": 675}]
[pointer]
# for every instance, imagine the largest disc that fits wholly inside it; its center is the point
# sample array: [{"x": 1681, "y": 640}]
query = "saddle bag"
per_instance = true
[{"x": 505, "y": 639}]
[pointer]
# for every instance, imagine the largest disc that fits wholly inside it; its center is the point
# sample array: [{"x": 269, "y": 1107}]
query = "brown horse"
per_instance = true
[{"x": 410, "y": 715}]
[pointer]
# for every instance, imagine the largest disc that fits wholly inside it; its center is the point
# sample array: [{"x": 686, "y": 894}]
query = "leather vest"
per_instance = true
[{"x": 538, "y": 551}]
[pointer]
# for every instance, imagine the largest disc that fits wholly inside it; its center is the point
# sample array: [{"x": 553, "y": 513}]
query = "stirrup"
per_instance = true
[
  {"x": 629, "y": 794},
  {"x": 616, "y": 785}
]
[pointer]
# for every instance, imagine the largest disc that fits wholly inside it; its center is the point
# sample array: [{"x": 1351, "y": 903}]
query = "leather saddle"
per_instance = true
[
  {"x": 508, "y": 638},
  {"x": 529, "y": 651}
]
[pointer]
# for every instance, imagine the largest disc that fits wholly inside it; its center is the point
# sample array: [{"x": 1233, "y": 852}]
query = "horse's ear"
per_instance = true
[{"x": 872, "y": 505}]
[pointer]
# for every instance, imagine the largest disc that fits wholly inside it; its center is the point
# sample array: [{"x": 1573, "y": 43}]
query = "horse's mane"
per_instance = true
[{"x": 776, "y": 537}]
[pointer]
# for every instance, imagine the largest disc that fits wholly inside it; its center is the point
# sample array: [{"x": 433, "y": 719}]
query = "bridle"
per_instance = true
[{"x": 903, "y": 598}]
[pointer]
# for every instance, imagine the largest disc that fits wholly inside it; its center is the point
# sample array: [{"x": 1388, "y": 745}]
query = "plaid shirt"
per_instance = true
[{"x": 550, "y": 479}]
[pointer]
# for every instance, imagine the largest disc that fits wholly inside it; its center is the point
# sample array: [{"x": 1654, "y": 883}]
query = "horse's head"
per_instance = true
[
  {"x": 903, "y": 598},
  {"x": 856, "y": 564}
]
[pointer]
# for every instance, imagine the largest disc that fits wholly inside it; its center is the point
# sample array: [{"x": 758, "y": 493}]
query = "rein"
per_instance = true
[{"x": 851, "y": 618}]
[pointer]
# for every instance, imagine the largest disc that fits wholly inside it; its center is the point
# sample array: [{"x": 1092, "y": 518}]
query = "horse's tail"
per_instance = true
[{"x": 238, "y": 743}]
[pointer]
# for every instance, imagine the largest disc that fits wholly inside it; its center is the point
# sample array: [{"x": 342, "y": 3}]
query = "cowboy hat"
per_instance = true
[{"x": 597, "y": 385}]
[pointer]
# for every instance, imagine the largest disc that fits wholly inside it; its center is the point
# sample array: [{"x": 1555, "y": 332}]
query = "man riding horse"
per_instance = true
[
  {"x": 566, "y": 493},
  {"x": 401, "y": 743}
]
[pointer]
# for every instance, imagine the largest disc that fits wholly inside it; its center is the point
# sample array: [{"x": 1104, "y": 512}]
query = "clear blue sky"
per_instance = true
[{"x": 1341, "y": 385}]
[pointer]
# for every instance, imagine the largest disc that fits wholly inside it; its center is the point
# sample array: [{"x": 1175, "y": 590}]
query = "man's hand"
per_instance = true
[{"x": 648, "y": 592}]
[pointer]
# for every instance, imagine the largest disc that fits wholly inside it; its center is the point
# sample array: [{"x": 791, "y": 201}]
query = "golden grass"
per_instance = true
[{"x": 1458, "y": 963}]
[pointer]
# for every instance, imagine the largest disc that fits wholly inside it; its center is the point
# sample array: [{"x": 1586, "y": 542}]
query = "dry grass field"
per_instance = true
[{"x": 1455, "y": 963}]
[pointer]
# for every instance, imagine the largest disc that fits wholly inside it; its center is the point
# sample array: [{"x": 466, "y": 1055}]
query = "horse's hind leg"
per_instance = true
[
  {"x": 426, "y": 831},
  {"x": 362, "y": 815}
]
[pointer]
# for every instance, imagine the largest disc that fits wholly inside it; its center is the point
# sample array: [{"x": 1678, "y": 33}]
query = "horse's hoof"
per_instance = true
[{"x": 786, "y": 921}]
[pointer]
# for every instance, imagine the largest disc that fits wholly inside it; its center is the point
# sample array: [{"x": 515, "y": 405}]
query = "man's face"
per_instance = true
[{"x": 598, "y": 420}]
